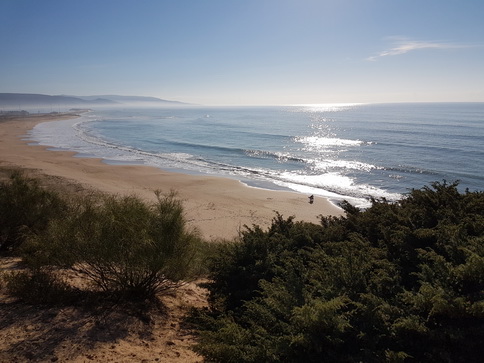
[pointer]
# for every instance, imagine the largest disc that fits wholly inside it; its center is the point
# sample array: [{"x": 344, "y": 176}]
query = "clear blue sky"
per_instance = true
[{"x": 246, "y": 51}]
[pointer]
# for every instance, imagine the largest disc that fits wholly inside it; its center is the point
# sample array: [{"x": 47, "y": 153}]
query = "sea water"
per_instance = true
[{"x": 340, "y": 151}]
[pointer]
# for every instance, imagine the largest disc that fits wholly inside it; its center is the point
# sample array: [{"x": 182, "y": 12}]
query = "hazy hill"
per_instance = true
[
  {"x": 15, "y": 101},
  {"x": 133, "y": 99}
]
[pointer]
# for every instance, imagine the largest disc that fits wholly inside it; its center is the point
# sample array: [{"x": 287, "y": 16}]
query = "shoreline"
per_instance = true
[{"x": 219, "y": 207}]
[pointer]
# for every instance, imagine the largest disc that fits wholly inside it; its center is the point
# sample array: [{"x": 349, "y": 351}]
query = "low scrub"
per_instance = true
[
  {"x": 25, "y": 208},
  {"x": 397, "y": 282},
  {"x": 121, "y": 244},
  {"x": 38, "y": 287}
]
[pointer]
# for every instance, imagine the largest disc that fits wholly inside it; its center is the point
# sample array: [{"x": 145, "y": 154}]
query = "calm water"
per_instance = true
[{"x": 341, "y": 151}]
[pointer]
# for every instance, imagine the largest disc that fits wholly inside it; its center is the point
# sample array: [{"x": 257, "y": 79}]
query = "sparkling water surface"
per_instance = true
[{"x": 341, "y": 151}]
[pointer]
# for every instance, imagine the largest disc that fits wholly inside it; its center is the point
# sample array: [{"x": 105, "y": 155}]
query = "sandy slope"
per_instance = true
[{"x": 104, "y": 332}]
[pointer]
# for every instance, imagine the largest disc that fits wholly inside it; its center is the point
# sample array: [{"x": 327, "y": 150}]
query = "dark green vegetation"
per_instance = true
[
  {"x": 25, "y": 208},
  {"x": 397, "y": 282},
  {"x": 122, "y": 245}
]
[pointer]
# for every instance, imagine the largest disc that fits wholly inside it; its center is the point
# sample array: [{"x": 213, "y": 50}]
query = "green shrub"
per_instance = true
[
  {"x": 25, "y": 207},
  {"x": 121, "y": 244},
  {"x": 38, "y": 287},
  {"x": 396, "y": 282}
]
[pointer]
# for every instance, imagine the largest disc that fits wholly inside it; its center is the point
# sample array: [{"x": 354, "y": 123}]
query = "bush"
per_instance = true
[
  {"x": 38, "y": 287},
  {"x": 25, "y": 207},
  {"x": 394, "y": 282},
  {"x": 121, "y": 244}
]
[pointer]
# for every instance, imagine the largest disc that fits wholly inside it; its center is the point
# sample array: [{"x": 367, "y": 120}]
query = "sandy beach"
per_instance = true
[{"x": 218, "y": 207}]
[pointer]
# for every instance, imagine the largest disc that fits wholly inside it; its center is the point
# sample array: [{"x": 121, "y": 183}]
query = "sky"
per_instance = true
[{"x": 246, "y": 52}]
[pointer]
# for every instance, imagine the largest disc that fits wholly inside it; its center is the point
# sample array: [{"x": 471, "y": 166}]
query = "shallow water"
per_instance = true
[{"x": 350, "y": 151}]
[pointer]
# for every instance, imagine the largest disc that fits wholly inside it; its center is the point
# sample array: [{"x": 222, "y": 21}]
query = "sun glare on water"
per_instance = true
[{"x": 326, "y": 107}]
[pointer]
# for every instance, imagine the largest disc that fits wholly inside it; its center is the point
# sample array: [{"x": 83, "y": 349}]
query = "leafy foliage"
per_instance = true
[
  {"x": 396, "y": 282},
  {"x": 39, "y": 287},
  {"x": 121, "y": 244},
  {"x": 25, "y": 207}
]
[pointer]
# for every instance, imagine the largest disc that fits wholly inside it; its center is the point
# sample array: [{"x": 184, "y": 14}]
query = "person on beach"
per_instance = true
[{"x": 311, "y": 199}]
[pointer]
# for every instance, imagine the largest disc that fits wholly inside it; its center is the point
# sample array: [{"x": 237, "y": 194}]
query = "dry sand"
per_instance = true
[
  {"x": 218, "y": 207},
  {"x": 103, "y": 332}
]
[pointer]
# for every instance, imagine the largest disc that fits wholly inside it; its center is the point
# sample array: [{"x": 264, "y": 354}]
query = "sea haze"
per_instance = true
[{"x": 341, "y": 151}]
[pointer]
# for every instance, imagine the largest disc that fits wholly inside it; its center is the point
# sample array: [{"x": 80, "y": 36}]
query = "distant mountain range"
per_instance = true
[
  {"x": 27, "y": 100},
  {"x": 129, "y": 99}
]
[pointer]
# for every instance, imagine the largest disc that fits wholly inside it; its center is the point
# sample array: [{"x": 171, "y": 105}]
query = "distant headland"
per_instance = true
[{"x": 20, "y": 101}]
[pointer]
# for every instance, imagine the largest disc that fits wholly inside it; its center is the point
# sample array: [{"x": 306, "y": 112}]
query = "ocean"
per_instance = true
[{"x": 340, "y": 151}]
